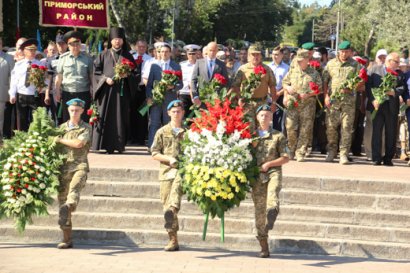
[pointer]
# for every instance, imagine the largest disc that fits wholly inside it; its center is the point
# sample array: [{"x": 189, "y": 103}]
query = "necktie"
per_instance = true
[
  {"x": 211, "y": 68},
  {"x": 27, "y": 82}
]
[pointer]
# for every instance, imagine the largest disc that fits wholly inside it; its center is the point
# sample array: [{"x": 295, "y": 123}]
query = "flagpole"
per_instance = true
[{"x": 18, "y": 21}]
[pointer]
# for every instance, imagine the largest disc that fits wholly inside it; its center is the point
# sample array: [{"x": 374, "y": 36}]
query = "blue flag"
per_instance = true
[{"x": 39, "y": 48}]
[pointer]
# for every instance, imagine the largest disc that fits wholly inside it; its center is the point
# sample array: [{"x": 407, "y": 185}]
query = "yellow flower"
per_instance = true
[
  {"x": 237, "y": 188},
  {"x": 188, "y": 178},
  {"x": 203, "y": 185},
  {"x": 199, "y": 191},
  {"x": 226, "y": 173},
  {"x": 206, "y": 177},
  {"x": 213, "y": 197},
  {"x": 189, "y": 167},
  {"x": 208, "y": 193},
  {"x": 224, "y": 195},
  {"x": 241, "y": 177},
  {"x": 232, "y": 181},
  {"x": 230, "y": 195}
]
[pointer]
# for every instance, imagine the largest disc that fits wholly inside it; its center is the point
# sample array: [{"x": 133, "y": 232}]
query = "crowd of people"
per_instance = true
[{"x": 304, "y": 101}]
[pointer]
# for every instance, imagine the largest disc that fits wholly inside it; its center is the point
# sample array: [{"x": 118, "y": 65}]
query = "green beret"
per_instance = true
[
  {"x": 308, "y": 46},
  {"x": 76, "y": 102},
  {"x": 175, "y": 103},
  {"x": 263, "y": 107},
  {"x": 344, "y": 45}
]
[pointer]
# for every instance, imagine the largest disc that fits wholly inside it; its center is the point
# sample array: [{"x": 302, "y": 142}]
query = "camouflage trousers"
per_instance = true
[
  {"x": 299, "y": 126},
  {"x": 171, "y": 194},
  {"x": 71, "y": 184},
  {"x": 265, "y": 196},
  {"x": 250, "y": 110},
  {"x": 341, "y": 113}
]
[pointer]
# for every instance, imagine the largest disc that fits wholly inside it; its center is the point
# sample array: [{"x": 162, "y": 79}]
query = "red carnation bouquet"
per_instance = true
[
  {"x": 123, "y": 69},
  {"x": 316, "y": 65},
  {"x": 293, "y": 102},
  {"x": 252, "y": 82},
  {"x": 37, "y": 77},
  {"x": 350, "y": 83},
  {"x": 315, "y": 90},
  {"x": 209, "y": 90},
  {"x": 169, "y": 78},
  {"x": 389, "y": 82},
  {"x": 93, "y": 114}
]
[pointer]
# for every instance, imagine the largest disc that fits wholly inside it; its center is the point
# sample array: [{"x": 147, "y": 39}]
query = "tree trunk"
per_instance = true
[
  {"x": 368, "y": 43},
  {"x": 117, "y": 14}
]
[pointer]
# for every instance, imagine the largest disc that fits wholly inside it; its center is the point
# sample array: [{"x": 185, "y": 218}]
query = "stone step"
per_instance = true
[
  {"x": 308, "y": 183},
  {"x": 287, "y": 195},
  {"x": 239, "y": 226},
  {"x": 246, "y": 211},
  {"x": 278, "y": 244}
]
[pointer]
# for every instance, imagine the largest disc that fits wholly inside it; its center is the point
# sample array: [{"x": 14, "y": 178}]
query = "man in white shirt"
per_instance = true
[
  {"x": 280, "y": 69},
  {"x": 187, "y": 68}
]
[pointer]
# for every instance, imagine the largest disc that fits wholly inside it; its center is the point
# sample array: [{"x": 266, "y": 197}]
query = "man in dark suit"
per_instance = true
[
  {"x": 158, "y": 115},
  {"x": 387, "y": 112},
  {"x": 205, "y": 69}
]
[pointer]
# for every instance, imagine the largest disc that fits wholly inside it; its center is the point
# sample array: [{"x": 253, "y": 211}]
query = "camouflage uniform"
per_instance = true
[
  {"x": 342, "y": 111},
  {"x": 167, "y": 142},
  {"x": 301, "y": 118},
  {"x": 74, "y": 172},
  {"x": 265, "y": 190},
  {"x": 259, "y": 94}
]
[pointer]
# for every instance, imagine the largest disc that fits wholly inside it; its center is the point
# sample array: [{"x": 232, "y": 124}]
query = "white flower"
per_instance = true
[
  {"x": 6, "y": 187},
  {"x": 11, "y": 200},
  {"x": 24, "y": 191},
  {"x": 36, "y": 133},
  {"x": 42, "y": 185},
  {"x": 22, "y": 198}
]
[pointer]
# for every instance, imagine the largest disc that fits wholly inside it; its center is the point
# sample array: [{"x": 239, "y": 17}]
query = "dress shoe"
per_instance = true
[
  {"x": 388, "y": 163},
  {"x": 377, "y": 163}
]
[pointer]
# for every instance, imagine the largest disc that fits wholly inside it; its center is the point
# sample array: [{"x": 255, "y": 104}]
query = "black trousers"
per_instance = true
[
  {"x": 66, "y": 96},
  {"x": 358, "y": 133},
  {"x": 384, "y": 118},
  {"x": 10, "y": 120},
  {"x": 138, "y": 124},
  {"x": 26, "y": 104}
]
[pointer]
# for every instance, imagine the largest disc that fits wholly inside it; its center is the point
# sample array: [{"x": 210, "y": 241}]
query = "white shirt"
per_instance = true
[
  {"x": 187, "y": 70},
  {"x": 18, "y": 79},
  {"x": 280, "y": 72},
  {"x": 146, "y": 59}
]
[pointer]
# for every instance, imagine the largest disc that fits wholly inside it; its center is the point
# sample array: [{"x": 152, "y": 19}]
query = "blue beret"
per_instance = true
[
  {"x": 264, "y": 107},
  {"x": 76, "y": 102},
  {"x": 175, "y": 103}
]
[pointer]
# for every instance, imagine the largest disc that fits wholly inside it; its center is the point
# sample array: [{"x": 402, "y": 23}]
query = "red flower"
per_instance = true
[
  {"x": 34, "y": 66},
  {"x": 139, "y": 60},
  {"x": 296, "y": 104},
  {"x": 178, "y": 73},
  {"x": 314, "y": 64},
  {"x": 167, "y": 72},
  {"x": 390, "y": 71},
  {"x": 314, "y": 87},
  {"x": 361, "y": 60},
  {"x": 26, "y": 185},
  {"x": 259, "y": 70},
  {"x": 43, "y": 68},
  {"x": 363, "y": 74},
  {"x": 33, "y": 179},
  {"x": 90, "y": 112},
  {"x": 128, "y": 62},
  {"x": 220, "y": 79},
  {"x": 91, "y": 122},
  {"x": 18, "y": 190}
]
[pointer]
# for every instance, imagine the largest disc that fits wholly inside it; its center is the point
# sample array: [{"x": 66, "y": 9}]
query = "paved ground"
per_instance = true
[
  {"x": 137, "y": 157},
  {"x": 39, "y": 258}
]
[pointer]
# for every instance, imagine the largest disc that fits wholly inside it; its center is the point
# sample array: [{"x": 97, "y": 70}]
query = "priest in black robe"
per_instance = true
[{"x": 112, "y": 97}]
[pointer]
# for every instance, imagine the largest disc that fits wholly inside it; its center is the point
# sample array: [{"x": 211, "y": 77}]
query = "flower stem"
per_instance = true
[{"x": 205, "y": 226}]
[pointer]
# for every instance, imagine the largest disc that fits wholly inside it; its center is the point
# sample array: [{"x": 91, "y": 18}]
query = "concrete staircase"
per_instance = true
[{"x": 318, "y": 216}]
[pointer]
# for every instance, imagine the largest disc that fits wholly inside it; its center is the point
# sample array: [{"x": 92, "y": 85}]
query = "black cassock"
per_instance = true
[{"x": 113, "y": 102}]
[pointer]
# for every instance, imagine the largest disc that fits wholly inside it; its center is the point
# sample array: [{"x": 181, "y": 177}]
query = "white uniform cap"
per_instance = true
[
  {"x": 381, "y": 52},
  {"x": 191, "y": 48}
]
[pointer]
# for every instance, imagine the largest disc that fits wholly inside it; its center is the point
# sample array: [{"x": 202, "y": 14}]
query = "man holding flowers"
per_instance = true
[
  {"x": 340, "y": 89},
  {"x": 271, "y": 153},
  {"x": 166, "y": 149},
  {"x": 76, "y": 141},
  {"x": 158, "y": 114},
  {"x": 300, "y": 100},
  {"x": 254, "y": 83},
  {"x": 23, "y": 91}
]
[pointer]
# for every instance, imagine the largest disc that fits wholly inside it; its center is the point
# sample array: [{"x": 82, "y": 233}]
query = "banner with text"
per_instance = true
[{"x": 70, "y": 13}]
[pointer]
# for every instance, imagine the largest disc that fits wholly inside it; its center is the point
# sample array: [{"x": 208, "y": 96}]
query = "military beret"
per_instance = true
[
  {"x": 302, "y": 54},
  {"x": 175, "y": 103},
  {"x": 29, "y": 44},
  {"x": 308, "y": 46},
  {"x": 344, "y": 45},
  {"x": 255, "y": 48},
  {"x": 73, "y": 36},
  {"x": 263, "y": 107},
  {"x": 76, "y": 102}
]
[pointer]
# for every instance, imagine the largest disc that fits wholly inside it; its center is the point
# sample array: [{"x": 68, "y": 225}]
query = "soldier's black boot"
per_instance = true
[
  {"x": 173, "y": 242},
  {"x": 271, "y": 215},
  {"x": 264, "y": 248},
  {"x": 67, "y": 241},
  {"x": 169, "y": 217}
]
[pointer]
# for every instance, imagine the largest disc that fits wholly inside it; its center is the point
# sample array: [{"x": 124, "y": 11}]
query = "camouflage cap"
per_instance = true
[
  {"x": 255, "y": 48},
  {"x": 302, "y": 54}
]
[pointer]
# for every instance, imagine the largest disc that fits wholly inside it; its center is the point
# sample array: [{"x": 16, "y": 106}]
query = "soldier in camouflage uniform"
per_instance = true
[
  {"x": 166, "y": 148},
  {"x": 260, "y": 94},
  {"x": 300, "y": 119},
  {"x": 341, "y": 103},
  {"x": 271, "y": 153},
  {"x": 76, "y": 142}
]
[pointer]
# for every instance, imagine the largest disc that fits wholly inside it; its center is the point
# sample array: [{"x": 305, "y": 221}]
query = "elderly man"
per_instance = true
[
  {"x": 22, "y": 91},
  {"x": 205, "y": 70},
  {"x": 387, "y": 112},
  {"x": 74, "y": 74},
  {"x": 6, "y": 66},
  {"x": 342, "y": 108},
  {"x": 260, "y": 95}
]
